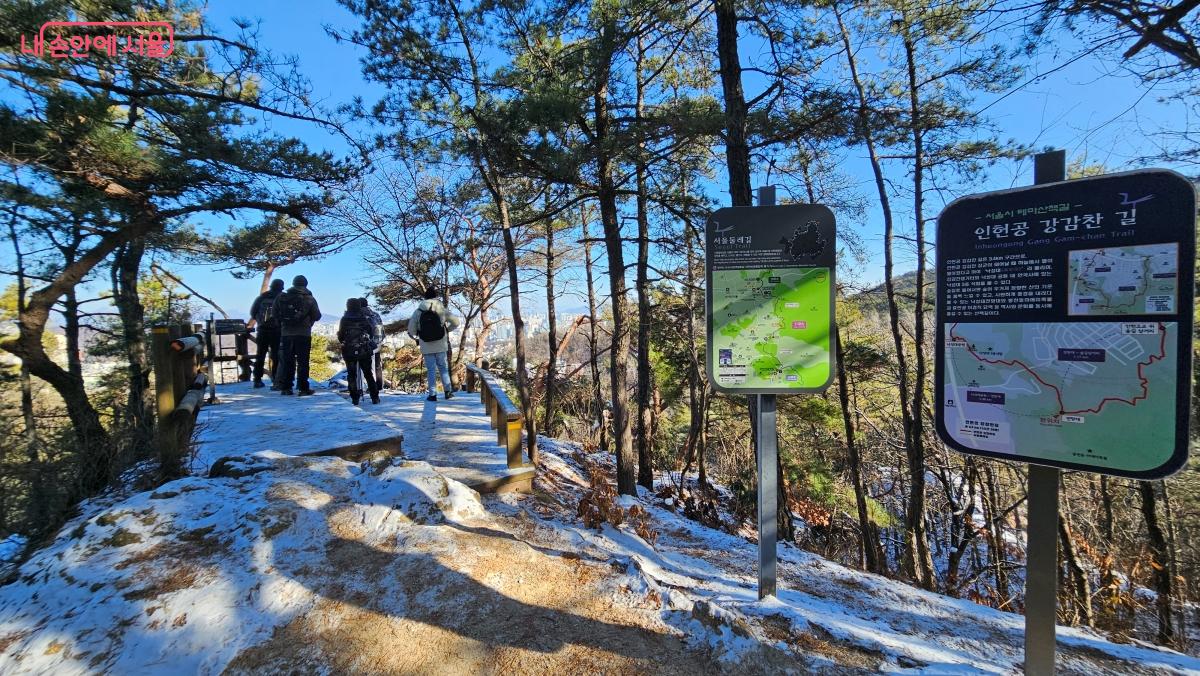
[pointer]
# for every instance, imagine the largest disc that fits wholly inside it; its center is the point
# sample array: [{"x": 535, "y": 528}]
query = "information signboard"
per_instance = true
[
  {"x": 1064, "y": 323},
  {"x": 770, "y": 286},
  {"x": 229, "y": 327}
]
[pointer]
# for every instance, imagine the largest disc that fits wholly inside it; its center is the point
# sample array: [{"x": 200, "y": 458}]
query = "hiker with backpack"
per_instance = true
[
  {"x": 297, "y": 311},
  {"x": 430, "y": 325},
  {"x": 262, "y": 314},
  {"x": 356, "y": 333},
  {"x": 377, "y": 337}
]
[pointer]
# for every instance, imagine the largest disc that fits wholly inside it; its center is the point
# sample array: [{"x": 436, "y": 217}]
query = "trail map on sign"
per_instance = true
[
  {"x": 1064, "y": 323},
  {"x": 1124, "y": 280},
  {"x": 1064, "y": 389},
  {"x": 773, "y": 327},
  {"x": 769, "y": 281}
]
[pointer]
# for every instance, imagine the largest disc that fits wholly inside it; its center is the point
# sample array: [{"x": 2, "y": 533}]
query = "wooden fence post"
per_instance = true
[
  {"x": 242, "y": 342},
  {"x": 180, "y": 381},
  {"x": 513, "y": 442},
  {"x": 164, "y": 378}
]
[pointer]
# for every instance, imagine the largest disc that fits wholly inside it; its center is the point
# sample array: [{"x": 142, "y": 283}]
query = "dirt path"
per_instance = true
[{"x": 392, "y": 611}]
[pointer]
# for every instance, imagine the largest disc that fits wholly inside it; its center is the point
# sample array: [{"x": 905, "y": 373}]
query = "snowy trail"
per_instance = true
[
  {"x": 250, "y": 420},
  {"x": 455, "y": 436},
  {"x": 319, "y": 563},
  {"x": 284, "y": 562}
]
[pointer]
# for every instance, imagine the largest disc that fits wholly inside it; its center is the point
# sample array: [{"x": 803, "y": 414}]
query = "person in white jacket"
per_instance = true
[{"x": 430, "y": 325}]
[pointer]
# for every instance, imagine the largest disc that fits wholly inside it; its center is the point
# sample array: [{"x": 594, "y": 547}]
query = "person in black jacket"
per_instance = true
[
  {"x": 297, "y": 312},
  {"x": 262, "y": 315},
  {"x": 356, "y": 334},
  {"x": 377, "y": 336}
]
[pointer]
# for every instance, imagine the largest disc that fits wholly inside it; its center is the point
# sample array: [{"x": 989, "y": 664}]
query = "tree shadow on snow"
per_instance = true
[{"x": 407, "y": 585}]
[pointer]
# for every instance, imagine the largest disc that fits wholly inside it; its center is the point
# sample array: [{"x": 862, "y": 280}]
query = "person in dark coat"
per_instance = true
[
  {"x": 262, "y": 315},
  {"x": 356, "y": 334},
  {"x": 297, "y": 311},
  {"x": 377, "y": 336}
]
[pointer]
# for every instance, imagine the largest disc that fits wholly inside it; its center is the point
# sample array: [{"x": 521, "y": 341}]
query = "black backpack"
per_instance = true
[
  {"x": 266, "y": 311},
  {"x": 358, "y": 345},
  {"x": 430, "y": 329},
  {"x": 290, "y": 308}
]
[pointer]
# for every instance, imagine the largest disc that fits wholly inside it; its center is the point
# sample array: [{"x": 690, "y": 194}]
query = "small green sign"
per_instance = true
[{"x": 770, "y": 298}]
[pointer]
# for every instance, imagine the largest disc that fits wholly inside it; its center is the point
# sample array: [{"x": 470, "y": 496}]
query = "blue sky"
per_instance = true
[{"x": 1089, "y": 108}]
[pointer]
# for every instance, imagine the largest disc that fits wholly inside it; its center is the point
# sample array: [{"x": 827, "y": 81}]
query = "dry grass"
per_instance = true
[{"x": 164, "y": 579}]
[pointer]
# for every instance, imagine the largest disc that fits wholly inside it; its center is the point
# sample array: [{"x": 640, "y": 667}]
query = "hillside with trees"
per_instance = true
[{"x": 559, "y": 159}]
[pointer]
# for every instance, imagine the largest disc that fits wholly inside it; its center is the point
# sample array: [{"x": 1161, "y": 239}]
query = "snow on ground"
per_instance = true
[
  {"x": 455, "y": 436},
  {"x": 278, "y": 563},
  {"x": 182, "y": 579},
  {"x": 882, "y": 620},
  {"x": 250, "y": 419},
  {"x": 11, "y": 550}
]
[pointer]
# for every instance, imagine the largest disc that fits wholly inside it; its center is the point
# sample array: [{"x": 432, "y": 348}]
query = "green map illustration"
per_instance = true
[
  {"x": 771, "y": 328},
  {"x": 1124, "y": 280},
  {"x": 1067, "y": 391}
]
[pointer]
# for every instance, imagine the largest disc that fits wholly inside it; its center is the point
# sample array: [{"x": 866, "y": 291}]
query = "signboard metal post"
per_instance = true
[
  {"x": 1064, "y": 340},
  {"x": 767, "y": 431},
  {"x": 769, "y": 306},
  {"x": 211, "y": 342},
  {"x": 1041, "y": 536}
]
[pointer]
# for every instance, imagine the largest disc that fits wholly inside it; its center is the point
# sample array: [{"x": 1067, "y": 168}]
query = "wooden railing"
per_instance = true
[
  {"x": 505, "y": 415},
  {"x": 180, "y": 376}
]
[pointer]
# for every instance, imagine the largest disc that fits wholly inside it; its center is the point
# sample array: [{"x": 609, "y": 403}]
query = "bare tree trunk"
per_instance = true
[
  {"x": 645, "y": 436},
  {"x": 868, "y": 544},
  {"x": 1160, "y": 562},
  {"x": 266, "y": 280},
  {"x": 737, "y": 149},
  {"x": 737, "y": 160},
  {"x": 995, "y": 532},
  {"x": 514, "y": 295},
  {"x": 597, "y": 393},
  {"x": 1106, "y": 522},
  {"x": 607, "y": 197},
  {"x": 92, "y": 441},
  {"x": 695, "y": 385},
  {"x": 917, "y": 551},
  {"x": 552, "y": 360},
  {"x": 37, "y": 498},
  {"x": 139, "y": 412},
  {"x": 1080, "y": 587},
  {"x": 1172, "y": 547},
  {"x": 481, "y": 335},
  {"x": 70, "y": 315},
  {"x": 496, "y": 187}
]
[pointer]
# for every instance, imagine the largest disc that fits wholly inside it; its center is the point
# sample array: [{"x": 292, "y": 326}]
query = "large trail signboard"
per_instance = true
[
  {"x": 770, "y": 298},
  {"x": 1064, "y": 323}
]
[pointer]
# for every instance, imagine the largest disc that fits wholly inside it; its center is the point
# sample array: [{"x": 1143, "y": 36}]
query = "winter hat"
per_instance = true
[
  {"x": 431, "y": 293},
  {"x": 277, "y": 284},
  {"x": 353, "y": 304},
  {"x": 300, "y": 280}
]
